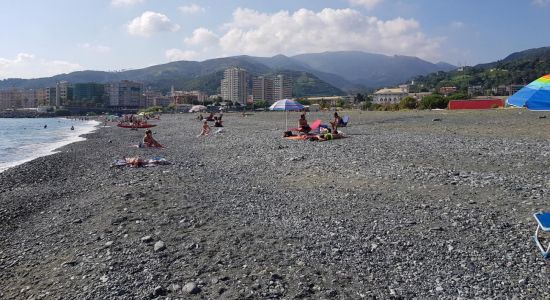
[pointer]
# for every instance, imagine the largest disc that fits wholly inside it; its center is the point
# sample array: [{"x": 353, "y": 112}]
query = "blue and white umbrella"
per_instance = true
[{"x": 286, "y": 105}]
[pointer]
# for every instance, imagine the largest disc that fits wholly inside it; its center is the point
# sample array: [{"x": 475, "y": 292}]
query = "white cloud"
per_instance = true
[
  {"x": 457, "y": 25},
  {"x": 252, "y": 32},
  {"x": 150, "y": 22},
  {"x": 191, "y": 9},
  {"x": 95, "y": 48},
  {"x": 29, "y": 66},
  {"x": 370, "y": 4},
  {"x": 123, "y": 3},
  {"x": 202, "y": 37},
  {"x": 541, "y": 2},
  {"x": 177, "y": 54}
]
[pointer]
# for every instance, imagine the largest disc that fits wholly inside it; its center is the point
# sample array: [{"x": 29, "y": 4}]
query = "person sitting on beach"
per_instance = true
[
  {"x": 217, "y": 122},
  {"x": 149, "y": 141},
  {"x": 200, "y": 117},
  {"x": 304, "y": 127},
  {"x": 210, "y": 117},
  {"x": 337, "y": 121},
  {"x": 205, "y": 129}
]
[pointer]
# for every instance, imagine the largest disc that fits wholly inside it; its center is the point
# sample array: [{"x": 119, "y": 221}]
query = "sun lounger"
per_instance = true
[{"x": 543, "y": 220}]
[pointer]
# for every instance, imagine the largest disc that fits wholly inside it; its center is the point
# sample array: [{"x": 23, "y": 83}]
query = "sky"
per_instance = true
[{"x": 44, "y": 38}]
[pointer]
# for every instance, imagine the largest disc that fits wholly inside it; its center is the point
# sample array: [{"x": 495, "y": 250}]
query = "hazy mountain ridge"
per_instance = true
[{"x": 345, "y": 70}]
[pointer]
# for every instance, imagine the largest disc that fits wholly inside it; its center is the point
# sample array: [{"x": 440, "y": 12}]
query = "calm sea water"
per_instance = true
[{"x": 22, "y": 140}]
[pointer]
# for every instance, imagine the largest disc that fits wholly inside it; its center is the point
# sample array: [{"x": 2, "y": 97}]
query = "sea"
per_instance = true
[{"x": 22, "y": 140}]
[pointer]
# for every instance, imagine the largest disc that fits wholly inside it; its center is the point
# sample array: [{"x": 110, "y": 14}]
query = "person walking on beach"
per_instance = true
[{"x": 205, "y": 129}]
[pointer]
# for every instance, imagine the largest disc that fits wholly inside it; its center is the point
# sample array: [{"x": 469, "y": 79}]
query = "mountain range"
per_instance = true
[{"x": 328, "y": 73}]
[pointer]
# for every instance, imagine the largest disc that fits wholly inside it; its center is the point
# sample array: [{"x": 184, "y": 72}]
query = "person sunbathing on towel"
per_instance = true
[
  {"x": 304, "y": 127},
  {"x": 205, "y": 129},
  {"x": 134, "y": 161},
  {"x": 149, "y": 141},
  {"x": 327, "y": 136}
]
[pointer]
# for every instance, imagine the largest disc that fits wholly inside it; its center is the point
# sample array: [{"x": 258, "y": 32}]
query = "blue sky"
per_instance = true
[{"x": 43, "y": 38}]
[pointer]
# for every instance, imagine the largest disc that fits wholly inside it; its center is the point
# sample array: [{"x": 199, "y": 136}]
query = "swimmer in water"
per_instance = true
[{"x": 72, "y": 127}]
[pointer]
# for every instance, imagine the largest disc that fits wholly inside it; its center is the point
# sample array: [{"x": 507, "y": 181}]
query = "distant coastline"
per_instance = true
[{"x": 26, "y": 114}]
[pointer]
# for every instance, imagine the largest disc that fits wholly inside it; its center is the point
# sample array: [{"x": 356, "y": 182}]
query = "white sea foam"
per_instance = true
[{"x": 36, "y": 150}]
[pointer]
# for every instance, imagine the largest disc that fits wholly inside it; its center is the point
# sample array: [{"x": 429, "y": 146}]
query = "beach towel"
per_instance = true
[
  {"x": 304, "y": 137},
  {"x": 136, "y": 162}
]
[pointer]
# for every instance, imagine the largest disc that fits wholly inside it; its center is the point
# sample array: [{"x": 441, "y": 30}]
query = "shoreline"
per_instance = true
[
  {"x": 52, "y": 148},
  {"x": 405, "y": 207}
]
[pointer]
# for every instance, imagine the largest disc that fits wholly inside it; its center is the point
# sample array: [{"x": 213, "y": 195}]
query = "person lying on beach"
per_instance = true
[
  {"x": 205, "y": 129},
  {"x": 210, "y": 117},
  {"x": 304, "y": 127},
  {"x": 149, "y": 141},
  {"x": 134, "y": 162},
  {"x": 326, "y": 135}
]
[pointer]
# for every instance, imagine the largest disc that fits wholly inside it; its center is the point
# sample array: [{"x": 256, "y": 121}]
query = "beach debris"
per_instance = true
[
  {"x": 159, "y": 246},
  {"x": 159, "y": 291},
  {"x": 147, "y": 239},
  {"x": 191, "y": 288}
]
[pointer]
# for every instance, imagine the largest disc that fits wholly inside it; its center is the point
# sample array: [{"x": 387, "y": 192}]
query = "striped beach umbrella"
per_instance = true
[
  {"x": 534, "y": 96},
  {"x": 286, "y": 105}
]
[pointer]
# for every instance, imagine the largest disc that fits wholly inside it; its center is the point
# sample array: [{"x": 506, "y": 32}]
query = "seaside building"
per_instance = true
[
  {"x": 475, "y": 90},
  {"x": 150, "y": 96},
  {"x": 234, "y": 85},
  {"x": 271, "y": 89},
  {"x": 11, "y": 99},
  {"x": 282, "y": 87},
  {"x": 163, "y": 101},
  {"x": 389, "y": 96},
  {"x": 446, "y": 90},
  {"x": 89, "y": 95},
  {"x": 499, "y": 90},
  {"x": 513, "y": 88},
  {"x": 51, "y": 96},
  {"x": 262, "y": 89},
  {"x": 189, "y": 97},
  {"x": 126, "y": 94}
]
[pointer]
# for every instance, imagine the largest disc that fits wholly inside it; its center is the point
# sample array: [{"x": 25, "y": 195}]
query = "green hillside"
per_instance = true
[{"x": 518, "y": 68}]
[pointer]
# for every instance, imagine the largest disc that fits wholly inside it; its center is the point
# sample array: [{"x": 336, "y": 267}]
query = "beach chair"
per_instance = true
[
  {"x": 543, "y": 223},
  {"x": 344, "y": 122}
]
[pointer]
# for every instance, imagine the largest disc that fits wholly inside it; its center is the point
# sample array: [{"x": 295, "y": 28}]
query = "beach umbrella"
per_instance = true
[
  {"x": 534, "y": 96},
  {"x": 286, "y": 105},
  {"x": 197, "y": 108}
]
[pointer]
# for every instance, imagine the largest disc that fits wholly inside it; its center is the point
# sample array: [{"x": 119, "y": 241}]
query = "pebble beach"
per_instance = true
[{"x": 412, "y": 204}]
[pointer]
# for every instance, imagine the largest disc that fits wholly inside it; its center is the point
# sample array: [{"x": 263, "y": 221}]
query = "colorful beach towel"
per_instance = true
[{"x": 136, "y": 162}]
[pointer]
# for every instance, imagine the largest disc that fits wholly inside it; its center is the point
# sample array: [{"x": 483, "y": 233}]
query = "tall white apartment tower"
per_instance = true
[
  {"x": 282, "y": 87},
  {"x": 234, "y": 85}
]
